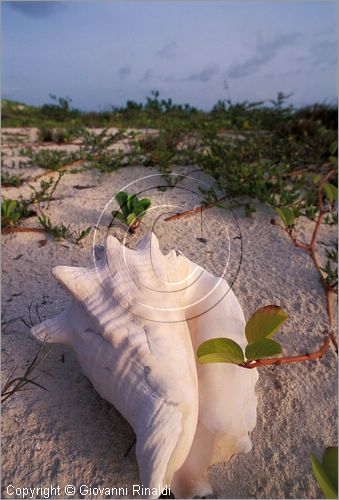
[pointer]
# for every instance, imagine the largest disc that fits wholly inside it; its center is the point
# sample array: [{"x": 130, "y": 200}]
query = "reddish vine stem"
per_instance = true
[
  {"x": 310, "y": 248},
  {"x": 329, "y": 304},
  {"x": 301, "y": 171},
  {"x": 8, "y": 230},
  {"x": 49, "y": 172},
  {"x": 316, "y": 265},
  {"x": 297, "y": 243},
  {"x": 195, "y": 210},
  {"x": 288, "y": 359}
]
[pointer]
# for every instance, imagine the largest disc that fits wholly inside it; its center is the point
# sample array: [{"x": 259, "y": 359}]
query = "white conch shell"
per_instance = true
[{"x": 135, "y": 322}]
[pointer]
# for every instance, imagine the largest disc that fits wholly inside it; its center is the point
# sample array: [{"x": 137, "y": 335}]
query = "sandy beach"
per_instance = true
[{"x": 67, "y": 434}]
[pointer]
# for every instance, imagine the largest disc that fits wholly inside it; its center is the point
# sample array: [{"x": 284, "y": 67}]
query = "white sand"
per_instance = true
[{"x": 69, "y": 435}]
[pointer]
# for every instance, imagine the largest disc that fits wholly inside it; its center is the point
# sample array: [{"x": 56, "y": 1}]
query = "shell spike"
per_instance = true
[
  {"x": 56, "y": 330},
  {"x": 79, "y": 281}
]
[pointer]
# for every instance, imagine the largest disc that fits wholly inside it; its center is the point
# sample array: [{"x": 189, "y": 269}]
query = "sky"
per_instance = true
[{"x": 103, "y": 53}]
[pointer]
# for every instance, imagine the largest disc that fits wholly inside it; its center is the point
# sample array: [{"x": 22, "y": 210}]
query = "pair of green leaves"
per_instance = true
[
  {"x": 326, "y": 472},
  {"x": 131, "y": 208},
  {"x": 259, "y": 331}
]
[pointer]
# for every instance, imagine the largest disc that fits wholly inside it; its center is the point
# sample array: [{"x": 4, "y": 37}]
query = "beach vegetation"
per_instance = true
[
  {"x": 326, "y": 471},
  {"x": 11, "y": 180},
  {"x": 57, "y": 135},
  {"x": 14, "y": 210},
  {"x": 59, "y": 231},
  {"x": 81, "y": 234},
  {"x": 17, "y": 382},
  {"x": 132, "y": 209},
  {"x": 62, "y": 231},
  {"x": 46, "y": 190},
  {"x": 259, "y": 330},
  {"x": 47, "y": 158}
]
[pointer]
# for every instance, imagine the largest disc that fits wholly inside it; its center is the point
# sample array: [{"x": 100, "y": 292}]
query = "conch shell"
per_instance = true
[{"x": 135, "y": 322}]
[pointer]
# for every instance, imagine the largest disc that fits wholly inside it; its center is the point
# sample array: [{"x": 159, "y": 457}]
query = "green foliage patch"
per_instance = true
[
  {"x": 132, "y": 209},
  {"x": 326, "y": 472},
  {"x": 14, "y": 210},
  {"x": 259, "y": 329}
]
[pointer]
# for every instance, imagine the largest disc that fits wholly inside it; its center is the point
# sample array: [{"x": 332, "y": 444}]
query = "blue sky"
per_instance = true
[{"x": 102, "y": 53}]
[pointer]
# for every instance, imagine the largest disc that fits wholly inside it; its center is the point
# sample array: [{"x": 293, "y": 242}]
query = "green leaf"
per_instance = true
[
  {"x": 287, "y": 215},
  {"x": 330, "y": 464},
  {"x": 132, "y": 201},
  {"x": 220, "y": 350},
  {"x": 265, "y": 322},
  {"x": 331, "y": 192},
  {"x": 322, "y": 479},
  {"x": 145, "y": 203},
  {"x": 326, "y": 473},
  {"x": 8, "y": 207},
  {"x": 15, "y": 216},
  {"x": 264, "y": 348},
  {"x": 119, "y": 216},
  {"x": 83, "y": 234},
  {"x": 130, "y": 219},
  {"x": 334, "y": 148},
  {"x": 11, "y": 206},
  {"x": 139, "y": 210},
  {"x": 122, "y": 198}
]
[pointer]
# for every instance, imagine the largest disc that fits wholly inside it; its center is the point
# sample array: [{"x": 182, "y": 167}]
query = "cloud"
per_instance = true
[
  {"x": 168, "y": 51},
  {"x": 205, "y": 74},
  {"x": 266, "y": 50},
  {"x": 36, "y": 9},
  {"x": 293, "y": 72},
  {"x": 147, "y": 76},
  {"x": 124, "y": 72},
  {"x": 324, "y": 53},
  {"x": 168, "y": 78}
]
